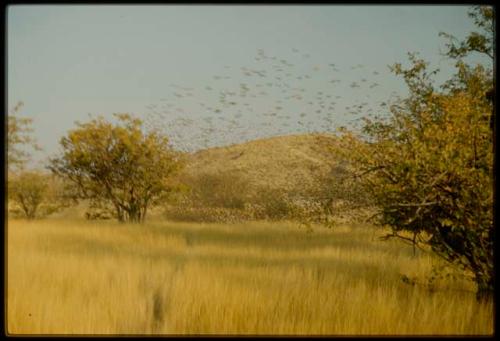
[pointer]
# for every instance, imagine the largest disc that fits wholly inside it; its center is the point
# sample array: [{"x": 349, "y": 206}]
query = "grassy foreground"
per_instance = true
[{"x": 71, "y": 276}]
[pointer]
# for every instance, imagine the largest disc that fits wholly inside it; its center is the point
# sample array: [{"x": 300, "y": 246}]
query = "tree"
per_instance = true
[
  {"x": 429, "y": 165},
  {"x": 481, "y": 42},
  {"x": 18, "y": 135},
  {"x": 33, "y": 194},
  {"x": 118, "y": 165}
]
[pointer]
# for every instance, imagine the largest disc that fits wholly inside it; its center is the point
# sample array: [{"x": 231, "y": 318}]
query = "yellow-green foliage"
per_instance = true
[
  {"x": 33, "y": 194},
  {"x": 119, "y": 167},
  {"x": 69, "y": 276},
  {"x": 429, "y": 167}
]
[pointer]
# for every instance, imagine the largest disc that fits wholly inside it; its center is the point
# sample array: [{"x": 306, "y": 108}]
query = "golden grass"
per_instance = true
[{"x": 78, "y": 277}]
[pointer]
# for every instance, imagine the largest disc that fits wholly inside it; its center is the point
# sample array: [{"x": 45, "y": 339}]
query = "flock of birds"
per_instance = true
[{"x": 272, "y": 97}]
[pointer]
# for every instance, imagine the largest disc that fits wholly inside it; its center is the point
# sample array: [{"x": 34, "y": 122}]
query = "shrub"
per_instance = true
[{"x": 33, "y": 194}]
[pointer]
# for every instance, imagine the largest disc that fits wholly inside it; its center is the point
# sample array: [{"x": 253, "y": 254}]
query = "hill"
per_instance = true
[{"x": 287, "y": 162}]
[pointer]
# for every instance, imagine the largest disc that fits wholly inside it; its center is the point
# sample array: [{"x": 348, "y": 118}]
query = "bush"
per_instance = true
[
  {"x": 33, "y": 194},
  {"x": 223, "y": 190},
  {"x": 275, "y": 204},
  {"x": 206, "y": 214}
]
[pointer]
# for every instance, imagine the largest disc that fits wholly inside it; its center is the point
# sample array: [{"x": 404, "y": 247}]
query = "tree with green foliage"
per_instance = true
[
  {"x": 428, "y": 166},
  {"x": 118, "y": 165}
]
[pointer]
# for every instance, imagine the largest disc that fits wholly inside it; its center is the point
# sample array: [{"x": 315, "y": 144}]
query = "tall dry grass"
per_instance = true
[{"x": 77, "y": 277}]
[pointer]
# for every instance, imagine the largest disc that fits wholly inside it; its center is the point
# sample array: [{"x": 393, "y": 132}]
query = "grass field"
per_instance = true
[{"x": 79, "y": 277}]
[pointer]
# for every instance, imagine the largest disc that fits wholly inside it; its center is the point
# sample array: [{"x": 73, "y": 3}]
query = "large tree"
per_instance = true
[
  {"x": 429, "y": 165},
  {"x": 118, "y": 165}
]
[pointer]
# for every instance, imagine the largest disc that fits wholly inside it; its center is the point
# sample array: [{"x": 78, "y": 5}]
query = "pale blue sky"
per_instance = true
[{"x": 67, "y": 61}]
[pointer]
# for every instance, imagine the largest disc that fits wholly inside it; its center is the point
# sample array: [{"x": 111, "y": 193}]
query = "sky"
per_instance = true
[{"x": 215, "y": 75}]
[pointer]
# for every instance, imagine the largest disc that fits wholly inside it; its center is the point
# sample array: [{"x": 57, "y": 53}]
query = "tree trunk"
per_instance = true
[
  {"x": 134, "y": 215},
  {"x": 32, "y": 211},
  {"x": 31, "y": 215},
  {"x": 119, "y": 214},
  {"x": 484, "y": 288},
  {"x": 144, "y": 211},
  {"x": 24, "y": 206}
]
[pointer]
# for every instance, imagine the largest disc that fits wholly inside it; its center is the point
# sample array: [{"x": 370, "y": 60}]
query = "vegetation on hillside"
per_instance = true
[{"x": 289, "y": 177}]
